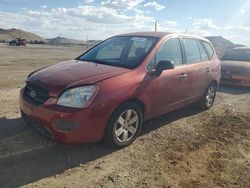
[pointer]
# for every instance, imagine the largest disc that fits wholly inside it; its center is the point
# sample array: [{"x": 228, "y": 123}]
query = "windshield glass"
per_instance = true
[
  {"x": 121, "y": 51},
  {"x": 237, "y": 55}
]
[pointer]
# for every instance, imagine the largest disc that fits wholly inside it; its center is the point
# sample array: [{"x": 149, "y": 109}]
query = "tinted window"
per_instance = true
[
  {"x": 209, "y": 49},
  {"x": 122, "y": 51},
  {"x": 204, "y": 56},
  {"x": 192, "y": 51},
  {"x": 237, "y": 55},
  {"x": 169, "y": 51}
]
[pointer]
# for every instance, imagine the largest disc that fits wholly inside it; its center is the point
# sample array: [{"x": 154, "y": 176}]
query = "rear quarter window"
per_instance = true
[
  {"x": 208, "y": 48},
  {"x": 204, "y": 55}
]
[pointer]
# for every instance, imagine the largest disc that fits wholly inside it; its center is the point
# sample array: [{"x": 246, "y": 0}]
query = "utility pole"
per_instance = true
[{"x": 156, "y": 25}]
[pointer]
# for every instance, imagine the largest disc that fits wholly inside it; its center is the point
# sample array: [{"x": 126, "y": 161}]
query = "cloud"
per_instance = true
[
  {"x": 201, "y": 27},
  {"x": 95, "y": 22},
  {"x": 43, "y": 6},
  {"x": 199, "y": 32},
  {"x": 205, "y": 24},
  {"x": 101, "y": 15},
  {"x": 237, "y": 28},
  {"x": 237, "y": 39},
  {"x": 89, "y": 1},
  {"x": 242, "y": 11},
  {"x": 122, "y": 4},
  {"x": 171, "y": 23},
  {"x": 155, "y": 5}
]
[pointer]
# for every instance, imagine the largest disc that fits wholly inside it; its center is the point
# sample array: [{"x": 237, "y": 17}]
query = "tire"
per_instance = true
[
  {"x": 124, "y": 125},
  {"x": 208, "y": 98}
]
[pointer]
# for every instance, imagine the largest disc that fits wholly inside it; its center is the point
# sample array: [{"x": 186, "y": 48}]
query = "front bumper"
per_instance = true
[
  {"x": 64, "y": 124},
  {"x": 236, "y": 79}
]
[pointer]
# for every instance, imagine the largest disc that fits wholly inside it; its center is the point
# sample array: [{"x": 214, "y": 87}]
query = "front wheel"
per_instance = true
[
  {"x": 208, "y": 98},
  {"x": 124, "y": 125}
]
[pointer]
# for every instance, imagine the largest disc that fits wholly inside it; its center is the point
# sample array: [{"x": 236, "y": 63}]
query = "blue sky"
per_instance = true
[{"x": 99, "y": 19}]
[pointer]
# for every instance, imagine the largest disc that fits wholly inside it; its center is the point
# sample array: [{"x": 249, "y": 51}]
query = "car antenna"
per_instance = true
[{"x": 156, "y": 22}]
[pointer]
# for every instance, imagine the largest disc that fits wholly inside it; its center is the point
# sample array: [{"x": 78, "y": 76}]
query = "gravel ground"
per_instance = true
[{"x": 185, "y": 148}]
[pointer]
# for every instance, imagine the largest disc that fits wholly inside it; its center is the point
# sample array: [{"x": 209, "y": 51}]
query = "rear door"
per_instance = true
[{"x": 197, "y": 65}]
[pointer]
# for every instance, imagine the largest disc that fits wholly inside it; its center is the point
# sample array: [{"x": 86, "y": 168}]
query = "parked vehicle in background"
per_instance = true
[
  {"x": 235, "y": 67},
  {"x": 18, "y": 42},
  {"x": 110, "y": 90}
]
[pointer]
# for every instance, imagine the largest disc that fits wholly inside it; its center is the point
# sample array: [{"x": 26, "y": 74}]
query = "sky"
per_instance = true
[{"x": 100, "y": 19}]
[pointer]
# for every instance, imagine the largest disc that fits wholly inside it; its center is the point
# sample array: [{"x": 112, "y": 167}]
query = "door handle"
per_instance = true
[
  {"x": 208, "y": 69},
  {"x": 183, "y": 75}
]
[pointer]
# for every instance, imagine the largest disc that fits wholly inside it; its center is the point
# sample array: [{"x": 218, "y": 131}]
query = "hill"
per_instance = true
[
  {"x": 221, "y": 44},
  {"x": 63, "y": 40},
  {"x": 9, "y": 34}
]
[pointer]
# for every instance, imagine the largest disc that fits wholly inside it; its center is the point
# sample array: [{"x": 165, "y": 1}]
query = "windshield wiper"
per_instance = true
[
  {"x": 94, "y": 61},
  {"x": 103, "y": 62}
]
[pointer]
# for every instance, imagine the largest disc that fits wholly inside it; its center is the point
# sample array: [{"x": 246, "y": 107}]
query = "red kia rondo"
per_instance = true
[{"x": 110, "y": 90}]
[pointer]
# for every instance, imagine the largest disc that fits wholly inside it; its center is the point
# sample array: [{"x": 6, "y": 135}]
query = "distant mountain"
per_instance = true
[
  {"x": 63, "y": 40},
  {"x": 9, "y": 34},
  {"x": 221, "y": 44}
]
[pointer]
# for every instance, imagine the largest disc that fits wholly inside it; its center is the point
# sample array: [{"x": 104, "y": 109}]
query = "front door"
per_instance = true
[{"x": 171, "y": 89}]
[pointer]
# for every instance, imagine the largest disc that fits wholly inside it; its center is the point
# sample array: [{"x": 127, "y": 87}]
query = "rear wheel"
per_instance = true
[
  {"x": 124, "y": 125},
  {"x": 208, "y": 98}
]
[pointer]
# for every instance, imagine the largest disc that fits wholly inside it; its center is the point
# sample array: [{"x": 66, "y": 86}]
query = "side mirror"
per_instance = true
[{"x": 163, "y": 65}]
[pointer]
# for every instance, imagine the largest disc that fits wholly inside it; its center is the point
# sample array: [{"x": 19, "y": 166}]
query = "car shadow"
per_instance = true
[
  {"x": 11, "y": 127},
  {"x": 235, "y": 90},
  {"x": 24, "y": 168}
]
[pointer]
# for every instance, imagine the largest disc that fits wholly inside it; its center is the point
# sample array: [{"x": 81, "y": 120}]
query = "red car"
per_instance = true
[
  {"x": 110, "y": 90},
  {"x": 235, "y": 67}
]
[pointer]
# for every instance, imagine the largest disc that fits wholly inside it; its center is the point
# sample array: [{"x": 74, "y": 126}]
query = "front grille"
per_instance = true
[
  {"x": 34, "y": 94},
  {"x": 40, "y": 129}
]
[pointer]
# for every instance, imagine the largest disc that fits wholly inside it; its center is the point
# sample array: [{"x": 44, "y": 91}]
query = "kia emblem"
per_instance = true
[{"x": 33, "y": 94}]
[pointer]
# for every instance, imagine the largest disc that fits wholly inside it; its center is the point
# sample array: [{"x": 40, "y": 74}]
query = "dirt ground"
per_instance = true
[{"x": 185, "y": 148}]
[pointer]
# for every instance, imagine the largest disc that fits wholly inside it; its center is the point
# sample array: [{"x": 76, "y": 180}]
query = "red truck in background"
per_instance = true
[{"x": 18, "y": 42}]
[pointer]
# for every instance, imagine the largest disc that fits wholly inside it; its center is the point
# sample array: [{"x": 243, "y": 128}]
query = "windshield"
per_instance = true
[
  {"x": 121, "y": 51},
  {"x": 237, "y": 55}
]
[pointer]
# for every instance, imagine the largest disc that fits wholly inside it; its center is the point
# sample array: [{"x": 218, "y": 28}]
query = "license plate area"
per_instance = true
[{"x": 226, "y": 76}]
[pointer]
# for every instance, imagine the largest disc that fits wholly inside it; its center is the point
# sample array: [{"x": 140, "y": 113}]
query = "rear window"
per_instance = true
[
  {"x": 237, "y": 55},
  {"x": 209, "y": 49}
]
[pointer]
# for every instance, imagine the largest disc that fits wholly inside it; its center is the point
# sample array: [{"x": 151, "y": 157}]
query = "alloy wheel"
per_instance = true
[
  {"x": 126, "y": 125},
  {"x": 210, "y": 96}
]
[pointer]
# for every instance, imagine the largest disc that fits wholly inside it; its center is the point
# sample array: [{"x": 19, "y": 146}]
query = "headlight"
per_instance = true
[{"x": 77, "y": 97}]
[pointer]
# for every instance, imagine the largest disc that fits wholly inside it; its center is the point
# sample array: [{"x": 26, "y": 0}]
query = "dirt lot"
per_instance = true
[{"x": 185, "y": 148}]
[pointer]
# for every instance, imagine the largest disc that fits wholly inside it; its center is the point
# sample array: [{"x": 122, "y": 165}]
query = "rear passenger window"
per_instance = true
[
  {"x": 192, "y": 51},
  {"x": 209, "y": 49},
  {"x": 204, "y": 56}
]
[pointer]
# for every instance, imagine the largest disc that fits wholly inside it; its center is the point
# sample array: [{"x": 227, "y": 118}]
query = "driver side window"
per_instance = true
[{"x": 169, "y": 51}]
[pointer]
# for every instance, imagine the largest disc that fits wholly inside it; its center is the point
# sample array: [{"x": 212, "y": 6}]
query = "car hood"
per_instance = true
[
  {"x": 235, "y": 66},
  {"x": 58, "y": 77}
]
